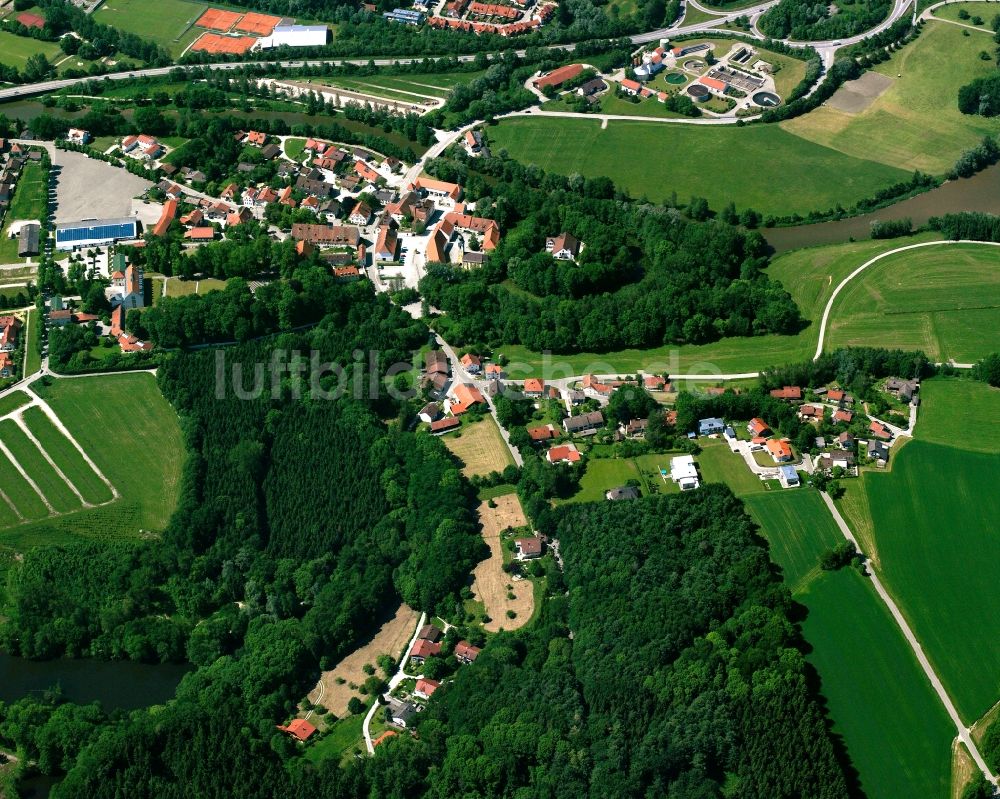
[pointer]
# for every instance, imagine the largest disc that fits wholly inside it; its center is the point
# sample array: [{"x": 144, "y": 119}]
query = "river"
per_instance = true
[{"x": 981, "y": 192}]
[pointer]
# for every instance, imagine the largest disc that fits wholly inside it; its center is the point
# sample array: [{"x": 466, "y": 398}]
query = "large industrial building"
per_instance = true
[
  {"x": 95, "y": 233},
  {"x": 294, "y": 36}
]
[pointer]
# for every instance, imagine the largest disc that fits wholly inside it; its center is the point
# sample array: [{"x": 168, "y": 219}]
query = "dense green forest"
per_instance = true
[
  {"x": 646, "y": 275},
  {"x": 697, "y": 689},
  {"x": 813, "y": 21}
]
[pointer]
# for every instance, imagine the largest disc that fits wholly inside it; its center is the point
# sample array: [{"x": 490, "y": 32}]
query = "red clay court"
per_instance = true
[
  {"x": 261, "y": 24},
  {"x": 213, "y": 43},
  {"x": 217, "y": 19}
]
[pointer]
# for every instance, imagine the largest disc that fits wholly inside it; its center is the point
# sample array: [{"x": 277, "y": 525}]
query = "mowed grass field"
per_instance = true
[
  {"x": 942, "y": 300},
  {"x": 896, "y": 732},
  {"x": 915, "y": 123},
  {"x": 67, "y": 457},
  {"x": 603, "y": 474},
  {"x": 53, "y": 487},
  {"x": 778, "y": 173},
  {"x": 935, "y": 520},
  {"x": 809, "y": 275},
  {"x": 11, "y": 402},
  {"x": 166, "y": 23},
  {"x": 132, "y": 434},
  {"x": 480, "y": 448},
  {"x": 985, "y": 11},
  {"x": 16, "y": 50}
]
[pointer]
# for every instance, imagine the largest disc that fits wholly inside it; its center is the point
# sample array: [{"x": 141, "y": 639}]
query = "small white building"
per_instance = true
[
  {"x": 788, "y": 477},
  {"x": 684, "y": 472},
  {"x": 77, "y": 136}
]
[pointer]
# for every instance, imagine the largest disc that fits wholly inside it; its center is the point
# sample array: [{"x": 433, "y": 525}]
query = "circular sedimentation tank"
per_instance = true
[
  {"x": 676, "y": 78},
  {"x": 698, "y": 92},
  {"x": 766, "y": 99}
]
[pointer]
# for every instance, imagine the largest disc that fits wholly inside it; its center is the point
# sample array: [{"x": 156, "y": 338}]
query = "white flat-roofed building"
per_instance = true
[
  {"x": 684, "y": 472},
  {"x": 294, "y": 36}
]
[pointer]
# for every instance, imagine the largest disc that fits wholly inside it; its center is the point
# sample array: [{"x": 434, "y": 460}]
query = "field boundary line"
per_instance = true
[
  {"x": 963, "y": 732},
  {"x": 65, "y": 431},
  {"x": 10, "y": 456},
  {"x": 12, "y": 506},
  {"x": 19, "y": 421}
]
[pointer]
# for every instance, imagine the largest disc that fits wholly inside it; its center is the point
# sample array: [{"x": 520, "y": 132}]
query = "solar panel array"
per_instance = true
[{"x": 109, "y": 230}]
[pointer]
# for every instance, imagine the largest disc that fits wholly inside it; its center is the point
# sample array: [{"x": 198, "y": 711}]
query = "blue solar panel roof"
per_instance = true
[{"x": 101, "y": 230}]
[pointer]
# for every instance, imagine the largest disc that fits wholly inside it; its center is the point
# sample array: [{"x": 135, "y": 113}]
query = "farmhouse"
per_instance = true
[
  {"x": 437, "y": 188},
  {"x": 878, "y": 451},
  {"x": 585, "y": 424},
  {"x": 788, "y": 477},
  {"x": 9, "y": 327},
  {"x": 791, "y": 393},
  {"x": 430, "y": 633},
  {"x": 442, "y": 426},
  {"x": 558, "y": 77},
  {"x": 466, "y": 653},
  {"x": 564, "y": 247},
  {"x": 780, "y": 450},
  {"x": 564, "y": 453},
  {"x": 758, "y": 427},
  {"x": 528, "y": 548},
  {"x": 684, "y": 472},
  {"x": 811, "y": 411},
  {"x": 711, "y": 425},
  {"x": 880, "y": 431},
  {"x": 386, "y": 244},
  {"x": 903, "y": 389},
  {"x": 326, "y": 235},
  {"x": 424, "y": 649},
  {"x": 462, "y": 397},
  {"x": 299, "y": 728},
  {"x": 472, "y": 364},
  {"x": 436, "y": 362},
  {"x": 424, "y": 689}
]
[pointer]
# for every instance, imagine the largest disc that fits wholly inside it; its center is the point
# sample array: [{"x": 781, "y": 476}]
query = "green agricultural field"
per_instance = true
[
  {"x": 896, "y": 732},
  {"x": 13, "y": 401},
  {"x": 687, "y": 159},
  {"x": 52, "y": 486},
  {"x": 99, "y": 411},
  {"x": 29, "y": 202},
  {"x": 809, "y": 275},
  {"x": 16, "y": 50},
  {"x": 935, "y": 518},
  {"x": 169, "y": 26},
  {"x": 24, "y": 498},
  {"x": 915, "y": 123},
  {"x": 807, "y": 531},
  {"x": 939, "y": 299},
  {"x": 67, "y": 457},
  {"x": 32, "y": 356},
  {"x": 951, "y": 412}
]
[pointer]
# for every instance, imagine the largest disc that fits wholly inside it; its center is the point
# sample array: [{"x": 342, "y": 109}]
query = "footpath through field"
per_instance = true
[{"x": 964, "y": 733}]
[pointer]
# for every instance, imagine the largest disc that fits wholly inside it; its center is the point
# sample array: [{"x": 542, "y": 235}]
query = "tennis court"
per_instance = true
[
  {"x": 218, "y": 19},
  {"x": 260, "y": 24},
  {"x": 214, "y": 43}
]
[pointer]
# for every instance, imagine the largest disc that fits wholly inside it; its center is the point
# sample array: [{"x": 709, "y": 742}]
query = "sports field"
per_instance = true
[
  {"x": 480, "y": 448},
  {"x": 939, "y": 299},
  {"x": 654, "y": 159},
  {"x": 809, "y": 275},
  {"x": 897, "y": 734},
  {"x": 169, "y": 26},
  {"x": 915, "y": 123},
  {"x": 16, "y": 50}
]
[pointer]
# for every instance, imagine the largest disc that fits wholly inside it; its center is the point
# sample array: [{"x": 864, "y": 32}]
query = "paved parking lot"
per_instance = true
[{"x": 90, "y": 189}]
